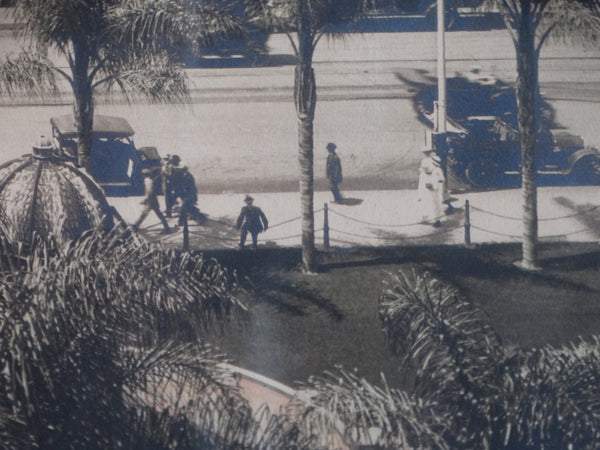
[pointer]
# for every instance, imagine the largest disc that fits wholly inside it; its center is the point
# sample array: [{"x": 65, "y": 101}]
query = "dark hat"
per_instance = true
[
  {"x": 175, "y": 159},
  {"x": 331, "y": 146},
  {"x": 248, "y": 199}
]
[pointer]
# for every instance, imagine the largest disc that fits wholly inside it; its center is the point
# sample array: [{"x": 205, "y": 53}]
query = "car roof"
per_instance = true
[{"x": 104, "y": 126}]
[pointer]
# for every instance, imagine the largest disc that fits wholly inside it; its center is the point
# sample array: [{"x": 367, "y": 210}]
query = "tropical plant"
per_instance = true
[
  {"x": 101, "y": 347},
  {"x": 342, "y": 410},
  {"x": 309, "y": 20},
  {"x": 531, "y": 23},
  {"x": 102, "y": 49},
  {"x": 488, "y": 398}
]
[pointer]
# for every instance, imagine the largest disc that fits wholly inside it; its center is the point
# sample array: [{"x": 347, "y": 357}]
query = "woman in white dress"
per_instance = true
[{"x": 431, "y": 190}]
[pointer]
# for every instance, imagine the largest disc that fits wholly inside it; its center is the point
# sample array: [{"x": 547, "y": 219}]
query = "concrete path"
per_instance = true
[{"x": 385, "y": 218}]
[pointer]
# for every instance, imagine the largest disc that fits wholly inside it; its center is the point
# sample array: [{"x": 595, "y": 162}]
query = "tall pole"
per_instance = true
[{"x": 441, "y": 68}]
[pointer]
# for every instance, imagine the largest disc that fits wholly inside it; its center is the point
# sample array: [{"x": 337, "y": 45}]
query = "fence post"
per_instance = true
[
  {"x": 467, "y": 223},
  {"x": 186, "y": 235},
  {"x": 325, "y": 227}
]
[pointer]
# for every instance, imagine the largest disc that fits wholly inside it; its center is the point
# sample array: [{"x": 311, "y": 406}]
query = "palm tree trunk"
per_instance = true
[
  {"x": 527, "y": 83},
  {"x": 83, "y": 107},
  {"x": 305, "y": 98}
]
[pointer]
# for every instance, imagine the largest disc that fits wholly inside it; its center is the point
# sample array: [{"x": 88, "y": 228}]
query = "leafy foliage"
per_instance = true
[
  {"x": 343, "y": 410},
  {"x": 543, "y": 398},
  {"x": 34, "y": 75},
  {"x": 99, "y": 348}
]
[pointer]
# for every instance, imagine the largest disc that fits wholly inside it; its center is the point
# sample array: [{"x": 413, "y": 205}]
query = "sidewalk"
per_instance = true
[{"x": 384, "y": 218}]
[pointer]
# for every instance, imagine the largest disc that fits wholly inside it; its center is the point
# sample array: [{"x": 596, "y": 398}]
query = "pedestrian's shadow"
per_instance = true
[{"x": 349, "y": 201}]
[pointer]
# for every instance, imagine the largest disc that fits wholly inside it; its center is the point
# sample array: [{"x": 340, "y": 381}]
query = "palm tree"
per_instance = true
[
  {"x": 486, "y": 395},
  {"x": 309, "y": 20},
  {"x": 102, "y": 346},
  {"x": 96, "y": 41},
  {"x": 531, "y": 23}
]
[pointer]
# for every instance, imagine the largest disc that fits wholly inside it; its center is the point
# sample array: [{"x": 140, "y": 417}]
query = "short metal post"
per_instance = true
[
  {"x": 186, "y": 235},
  {"x": 325, "y": 227},
  {"x": 467, "y": 223}
]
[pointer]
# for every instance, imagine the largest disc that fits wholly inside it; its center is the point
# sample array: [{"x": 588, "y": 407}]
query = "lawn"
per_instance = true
[{"x": 305, "y": 324}]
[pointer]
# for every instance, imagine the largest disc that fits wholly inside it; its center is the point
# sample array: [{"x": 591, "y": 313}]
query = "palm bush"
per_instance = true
[
  {"x": 100, "y": 347},
  {"x": 542, "y": 398},
  {"x": 343, "y": 410}
]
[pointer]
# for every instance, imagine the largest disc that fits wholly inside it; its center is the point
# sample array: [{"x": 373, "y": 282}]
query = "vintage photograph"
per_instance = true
[{"x": 299, "y": 224}]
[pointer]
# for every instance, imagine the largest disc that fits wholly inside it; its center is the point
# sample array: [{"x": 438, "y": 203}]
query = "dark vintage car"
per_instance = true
[
  {"x": 485, "y": 152},
  {"x": 427, "y": 8},
  {"x": 115, "y": 163}
]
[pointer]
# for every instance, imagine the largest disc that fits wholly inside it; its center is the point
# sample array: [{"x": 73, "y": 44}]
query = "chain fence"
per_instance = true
[{"x": 470, "y": 218}]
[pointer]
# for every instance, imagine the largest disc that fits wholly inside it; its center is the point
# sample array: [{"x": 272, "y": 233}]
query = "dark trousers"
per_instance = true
[
  {"x": 189, "y": 209},
  {"x": 253, "y": 232},
  {"x": 170, "y": 200},
  {"x": 336, "y": 193}
]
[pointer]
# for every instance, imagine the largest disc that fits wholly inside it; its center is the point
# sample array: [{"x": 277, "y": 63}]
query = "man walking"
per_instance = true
[
  {"x": 151, "y": 183},
  {"x": 170, "y": 176},
  {"x": 334, "y": 172},
  {"x": 251, "y": 219},
  {"x": 189, "y": 198}
]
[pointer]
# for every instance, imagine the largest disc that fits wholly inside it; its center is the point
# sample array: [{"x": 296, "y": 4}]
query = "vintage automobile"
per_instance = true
[
  {"x": 115, "y": 163},
  {"x": 426, "y": 8},
  {"x": 485, "y": 152}
]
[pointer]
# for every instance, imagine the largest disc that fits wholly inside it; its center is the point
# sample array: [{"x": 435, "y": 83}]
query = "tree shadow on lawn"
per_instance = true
[
  {"x": 260, "y": 273},
  {"x": 491, "y": 262}
]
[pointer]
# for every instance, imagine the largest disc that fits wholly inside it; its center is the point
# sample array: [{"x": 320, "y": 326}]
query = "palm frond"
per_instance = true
[
  {"x": 552, "y": 397},
  {"x": 153, "y": 77},
  {"x": 575, "y": 22},
  {"x": 27, "y": 74},
  {"x": 343, "y": 410},
  {"x": 164, "y": 24},
  {"x": 453, "y": 352}
]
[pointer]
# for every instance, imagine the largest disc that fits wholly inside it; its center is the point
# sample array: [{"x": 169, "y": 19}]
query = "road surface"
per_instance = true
[{"x": 239, "y": 133}]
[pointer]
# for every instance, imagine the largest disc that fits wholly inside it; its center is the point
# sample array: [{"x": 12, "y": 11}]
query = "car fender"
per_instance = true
[{"x": 577, "y": 155}]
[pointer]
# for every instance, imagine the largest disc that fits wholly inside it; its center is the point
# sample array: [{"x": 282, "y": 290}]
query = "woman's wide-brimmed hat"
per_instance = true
[{"x": 248, "y": 199}]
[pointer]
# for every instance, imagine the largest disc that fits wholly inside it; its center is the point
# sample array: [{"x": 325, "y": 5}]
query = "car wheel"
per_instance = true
[
  {"x": 481, "y": 172},
  {"x": 587, "y": 170}
]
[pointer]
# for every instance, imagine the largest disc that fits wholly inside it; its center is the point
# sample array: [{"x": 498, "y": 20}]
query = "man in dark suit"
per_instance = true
[
  {"x": 251, "y": 219},
  {"x": 334, "y": 172}
]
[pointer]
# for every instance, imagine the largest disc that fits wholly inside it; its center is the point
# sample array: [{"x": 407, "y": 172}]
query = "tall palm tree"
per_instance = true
[
  {"x": 97, "y": 43},
  {"x": 531, "y": 23},
  {"x": 305, "y": 22}
]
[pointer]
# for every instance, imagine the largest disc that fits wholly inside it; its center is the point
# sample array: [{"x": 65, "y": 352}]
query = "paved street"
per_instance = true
[{"x": 239, "y": 132}]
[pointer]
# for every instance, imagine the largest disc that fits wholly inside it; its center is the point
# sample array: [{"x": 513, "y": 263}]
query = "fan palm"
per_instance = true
[{"x": 101, "y": 47}]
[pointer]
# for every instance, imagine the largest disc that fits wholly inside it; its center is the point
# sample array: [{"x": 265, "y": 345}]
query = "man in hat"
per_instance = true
[
  {"x": 170, "y": 181},
  {"x": 251, "y": 219},
  {"x": 334, "y": 172},
  {"x": 189, "y": 197},
  {"x": 151, "y": 184}
]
